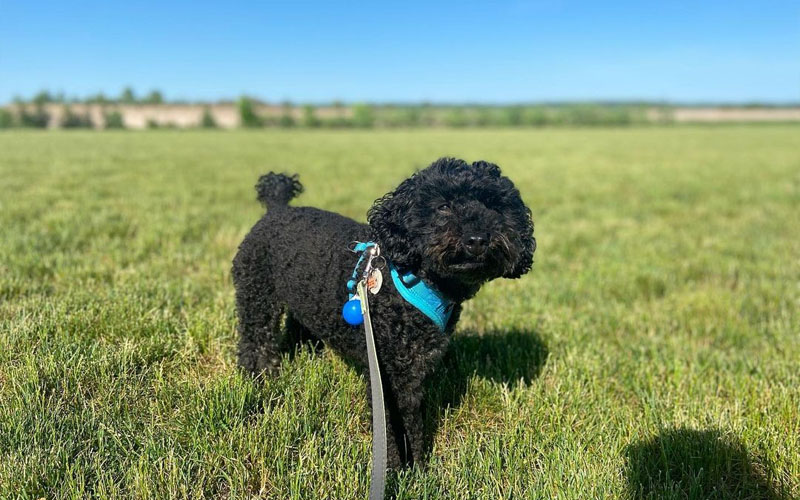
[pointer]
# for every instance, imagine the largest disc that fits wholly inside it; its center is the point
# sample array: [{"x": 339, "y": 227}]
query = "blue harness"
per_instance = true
[{"x": 414, "y": 290}]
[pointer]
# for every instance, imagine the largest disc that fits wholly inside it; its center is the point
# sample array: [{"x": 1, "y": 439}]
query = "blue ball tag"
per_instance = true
[{"x": 351, "y": 312}]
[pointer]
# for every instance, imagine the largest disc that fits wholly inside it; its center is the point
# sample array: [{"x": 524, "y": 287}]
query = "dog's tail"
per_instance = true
[{"x": 277, "y": 189}]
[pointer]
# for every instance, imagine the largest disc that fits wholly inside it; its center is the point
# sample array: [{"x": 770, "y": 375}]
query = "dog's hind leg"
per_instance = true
[
  {"x": 260, "y": 338},
  {"x": 297, "y": 334},
  {"x": 260, "y": 313}
]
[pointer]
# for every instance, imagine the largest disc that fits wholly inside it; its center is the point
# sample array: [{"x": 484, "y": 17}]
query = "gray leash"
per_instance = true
[{"x": 378, "y": 479}]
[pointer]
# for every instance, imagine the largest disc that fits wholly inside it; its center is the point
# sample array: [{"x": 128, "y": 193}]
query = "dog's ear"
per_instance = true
[
  {"x": 387, "y": 219},
  {"x": 523, "y": 223},
  {"x": 525, "y": 259}
]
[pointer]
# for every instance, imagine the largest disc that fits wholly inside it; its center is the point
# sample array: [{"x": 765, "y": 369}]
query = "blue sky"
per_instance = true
[{"x": 503, "y": 52}]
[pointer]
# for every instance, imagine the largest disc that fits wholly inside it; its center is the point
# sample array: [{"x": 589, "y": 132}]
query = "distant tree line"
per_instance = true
[
  {"x": 252, "y": 113},
  {"x": 126, "y": 96},
  {"x": 37, "y": 116},
  {"x": 357, "y": 116},
  {"x": 388, "y": 116},
  {"x": 34, "y": 113}
]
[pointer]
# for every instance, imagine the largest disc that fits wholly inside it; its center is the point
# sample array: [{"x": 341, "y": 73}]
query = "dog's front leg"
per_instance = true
[
  {"x": 403, "y": 421},
  {"x": 403, "y": 377},
  {"x": 409, "y": 437}
]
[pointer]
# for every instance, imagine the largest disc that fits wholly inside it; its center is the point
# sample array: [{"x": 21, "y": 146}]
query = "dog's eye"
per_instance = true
[{"x": 444, "y": 208}]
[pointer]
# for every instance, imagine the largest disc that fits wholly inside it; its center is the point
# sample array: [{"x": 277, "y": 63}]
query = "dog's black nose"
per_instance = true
[{"x": 476, "y": 244}]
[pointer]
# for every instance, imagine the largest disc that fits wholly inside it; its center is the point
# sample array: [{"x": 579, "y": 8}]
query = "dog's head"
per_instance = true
[{"x": 460, "y": 222}]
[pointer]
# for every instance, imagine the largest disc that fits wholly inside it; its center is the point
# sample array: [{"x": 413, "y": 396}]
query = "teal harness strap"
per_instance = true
[{"x": 422, "y": 296}]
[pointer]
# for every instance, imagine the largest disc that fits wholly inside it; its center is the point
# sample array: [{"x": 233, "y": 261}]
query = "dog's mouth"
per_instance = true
[
  {"x": 472, "y": 270},
  {"x": 467, "y": 266}
]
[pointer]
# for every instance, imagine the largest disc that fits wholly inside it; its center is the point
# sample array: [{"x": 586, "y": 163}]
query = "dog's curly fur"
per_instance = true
[{"x": 455, "y": 225}]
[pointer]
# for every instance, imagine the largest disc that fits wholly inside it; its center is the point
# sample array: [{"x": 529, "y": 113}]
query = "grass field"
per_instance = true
[{"x": 653, "y": 351}]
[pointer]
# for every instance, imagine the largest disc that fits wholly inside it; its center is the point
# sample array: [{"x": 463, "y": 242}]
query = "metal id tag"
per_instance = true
[{"x": 375, "y": 281}]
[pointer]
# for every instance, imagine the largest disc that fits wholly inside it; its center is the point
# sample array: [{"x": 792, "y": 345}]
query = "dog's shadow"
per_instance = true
[
  {"x": 688, "y": 463},
  {"x": 506, "y": 357}
]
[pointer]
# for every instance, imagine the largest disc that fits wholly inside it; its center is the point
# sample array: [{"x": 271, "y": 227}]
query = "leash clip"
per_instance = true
[{"x": 373, "y": 251}]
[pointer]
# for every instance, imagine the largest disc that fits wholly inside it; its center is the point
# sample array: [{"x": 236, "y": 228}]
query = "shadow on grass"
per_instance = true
[
  {"x": 686, "y": 463},
  {"x": 505, "y": 357}
]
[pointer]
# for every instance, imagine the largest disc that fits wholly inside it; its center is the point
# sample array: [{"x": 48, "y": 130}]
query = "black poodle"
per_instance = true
[{"x": 454, "y": 225}]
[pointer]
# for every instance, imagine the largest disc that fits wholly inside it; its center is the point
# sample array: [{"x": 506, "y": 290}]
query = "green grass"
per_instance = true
[{"x": 651, "y": 353}]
